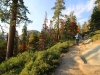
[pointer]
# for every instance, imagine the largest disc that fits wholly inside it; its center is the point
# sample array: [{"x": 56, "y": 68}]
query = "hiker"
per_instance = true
[
  {"x": 77, "y": 36},
  {"x": 83, "y": 36}
]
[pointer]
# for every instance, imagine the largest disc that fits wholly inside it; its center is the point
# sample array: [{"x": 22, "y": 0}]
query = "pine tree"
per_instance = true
[
  {"x": 10, "y": 44},
  {"x": 79, "y": 28},
  {"x": 98, "y": 2},
  {"x": 24, "y": 36},
  {"x": 67, "y": 23},
  {"x": 95, "y": 19},
  {"x": 17, "y": 14},
  {"x": 72, "y": 28},
  {"x": 33, "y": 41},
  {"x": 16, "y": 43},
  {"x": 62, "y": 29},
  {"x": 59, "y": 6},
  {"x": 41, "y": 42},
  {"x": 84, "y": 27},
  {"x": 88, "y": 25}
]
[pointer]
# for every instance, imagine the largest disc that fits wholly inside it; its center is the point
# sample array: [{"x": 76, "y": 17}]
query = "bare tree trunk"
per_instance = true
[{"x": 11, "y": 36}]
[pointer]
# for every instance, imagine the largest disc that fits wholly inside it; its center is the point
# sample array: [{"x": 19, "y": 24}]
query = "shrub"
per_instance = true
[
  {"x": 95, "y": 35},
  {"x": 2, "y": 50},
  {"x": 34, "y": 63},
  {"x": 15, "y": 64}
]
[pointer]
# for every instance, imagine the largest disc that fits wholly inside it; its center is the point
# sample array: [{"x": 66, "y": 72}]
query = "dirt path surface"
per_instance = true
[{"x": 73, "y": 64}]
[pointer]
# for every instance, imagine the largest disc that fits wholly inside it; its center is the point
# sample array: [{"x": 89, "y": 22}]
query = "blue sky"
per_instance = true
[{"x": 82, "y": 9}]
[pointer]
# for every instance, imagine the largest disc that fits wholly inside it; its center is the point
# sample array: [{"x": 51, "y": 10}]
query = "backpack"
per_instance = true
[{"x": 78, "y": 36}]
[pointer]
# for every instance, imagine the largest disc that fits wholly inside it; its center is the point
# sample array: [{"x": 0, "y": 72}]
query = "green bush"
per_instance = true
[
  {"x": 2, "y": 50},
  {"x": 15, "y": 64},
  {"x": 45, "y": 62},
  {"x": 34, "y": 63},
  {"x": 95, "y": 35}
]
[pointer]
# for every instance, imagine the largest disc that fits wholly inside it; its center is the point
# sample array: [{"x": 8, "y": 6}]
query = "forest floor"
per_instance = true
[{"x": 80, "y": 60}]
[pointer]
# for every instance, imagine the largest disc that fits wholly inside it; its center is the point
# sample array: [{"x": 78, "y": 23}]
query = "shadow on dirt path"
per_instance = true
[{"x": 69, "y": 66}]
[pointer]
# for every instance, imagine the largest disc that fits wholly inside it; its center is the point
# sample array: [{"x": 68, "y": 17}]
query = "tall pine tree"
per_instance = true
[
  {"x": 17, "y": 11},
  {"x": 85, "y": 27},
  {"x": 59, "y": 6},
  {"x": 24, "y": 36}
]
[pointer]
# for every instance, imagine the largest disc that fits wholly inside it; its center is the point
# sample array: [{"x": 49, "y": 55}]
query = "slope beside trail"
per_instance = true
[{"x": 80, "y": 60}]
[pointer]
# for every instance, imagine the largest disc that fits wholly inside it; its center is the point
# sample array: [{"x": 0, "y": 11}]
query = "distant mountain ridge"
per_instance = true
[{"x": 29, "y": 32}]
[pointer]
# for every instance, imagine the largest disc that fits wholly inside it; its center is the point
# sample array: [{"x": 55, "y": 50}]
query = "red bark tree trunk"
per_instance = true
[{"x": 11, "y": 36}]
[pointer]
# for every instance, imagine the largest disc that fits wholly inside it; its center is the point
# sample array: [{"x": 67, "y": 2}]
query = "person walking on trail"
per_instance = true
[
  {"x": 77, "y": 36},
  {"x": 83, "y": 34}
]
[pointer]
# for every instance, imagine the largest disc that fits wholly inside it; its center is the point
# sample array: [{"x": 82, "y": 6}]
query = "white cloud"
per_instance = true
[
  {"x": 83, "y": 20},
  {"x": 90, "y": 5},
  {"x": 80, "y": 8}
]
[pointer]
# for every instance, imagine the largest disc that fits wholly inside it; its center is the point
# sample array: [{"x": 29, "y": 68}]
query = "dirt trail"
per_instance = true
[{"x": 69, "y": 66}]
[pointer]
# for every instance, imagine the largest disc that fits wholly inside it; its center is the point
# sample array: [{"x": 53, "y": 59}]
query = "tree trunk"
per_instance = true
[
  {"x": 58, "y": 30},
  {"x": 99, "y": 5},
  {"x": 11, "y": 36}
]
